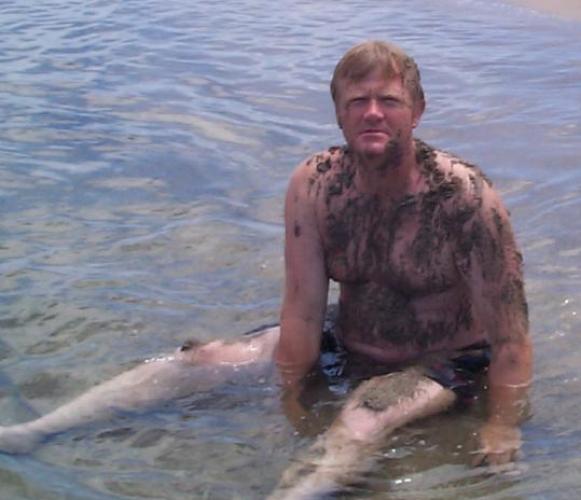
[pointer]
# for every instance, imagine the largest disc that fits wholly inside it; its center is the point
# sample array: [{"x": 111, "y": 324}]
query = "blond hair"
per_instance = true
[{"x": 361, "y": 60}]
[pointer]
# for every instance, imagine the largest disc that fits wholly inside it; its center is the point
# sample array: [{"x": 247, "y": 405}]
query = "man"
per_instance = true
[{"x": 422, "y": 248}]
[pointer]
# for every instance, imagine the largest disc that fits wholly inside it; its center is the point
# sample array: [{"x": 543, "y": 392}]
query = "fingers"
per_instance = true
[
  {"x": 495, "y": 458},
  {"x": 499, "y": 445}
]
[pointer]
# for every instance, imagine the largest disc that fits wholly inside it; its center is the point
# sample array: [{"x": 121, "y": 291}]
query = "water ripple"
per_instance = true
[{"x": 145, "y": 148}]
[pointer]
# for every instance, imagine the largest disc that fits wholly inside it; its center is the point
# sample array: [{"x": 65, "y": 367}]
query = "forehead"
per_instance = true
[{"x": 375, "y": 81}]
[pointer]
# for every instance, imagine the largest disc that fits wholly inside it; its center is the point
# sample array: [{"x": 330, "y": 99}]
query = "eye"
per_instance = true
[
  {"x": 390, "y": 101},
  {"x": 357, "y": 101}
]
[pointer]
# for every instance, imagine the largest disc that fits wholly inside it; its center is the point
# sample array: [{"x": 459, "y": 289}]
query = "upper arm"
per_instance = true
[
  {"x": 306, "y": 280},
  {"x": 491, "y": 264}
]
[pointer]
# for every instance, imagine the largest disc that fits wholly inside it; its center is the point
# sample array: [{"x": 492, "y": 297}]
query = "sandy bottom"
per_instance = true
[{"x": 568, "y": 9}]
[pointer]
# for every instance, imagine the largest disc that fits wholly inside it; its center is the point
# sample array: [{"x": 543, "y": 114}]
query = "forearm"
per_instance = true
[
  {"x": 509, "y": 380},
  {"x": 296, "y": 356},
  {"x": 292, "y": 373},
  {"x": 298, "y": 348}
]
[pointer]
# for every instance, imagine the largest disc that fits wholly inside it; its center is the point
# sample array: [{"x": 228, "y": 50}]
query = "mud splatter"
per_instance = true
[
  {"x": 382, "y": 314},
  {"x": 387, "y": 253},
  {"x": 513, "y": 293},
  {"x": 393, "y": 154},
  {"x": 190, "y": 344},
  {"x": 498, "y": 224},
  {"x": 381, "y": 393},
  {"x": 297, "y": 230},
  {"x": 324, "y": 165}
]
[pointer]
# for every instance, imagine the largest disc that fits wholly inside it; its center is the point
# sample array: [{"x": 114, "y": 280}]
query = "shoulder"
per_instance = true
[
  {"x": 313, "y": 173},
  {"x": 460, "y": 182},
  {"x": 322, "y": 162}
]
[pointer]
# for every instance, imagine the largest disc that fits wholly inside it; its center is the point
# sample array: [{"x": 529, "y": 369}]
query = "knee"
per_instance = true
[
  {"x": 255, "y": 347},
  {"x": 384, "y": 403},
  {"x": 188, "y": 350},
  {"x": 195, "y": 351},
  {"x": 189, "y": 345},
  {"x": 386, "y": 391}
]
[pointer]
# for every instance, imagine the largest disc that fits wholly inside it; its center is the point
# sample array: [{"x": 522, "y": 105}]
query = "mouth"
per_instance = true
[{"x": 373, "y": 131}]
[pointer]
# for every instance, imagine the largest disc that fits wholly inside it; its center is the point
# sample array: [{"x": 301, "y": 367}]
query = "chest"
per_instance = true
[{"x": 406, "y": 246}]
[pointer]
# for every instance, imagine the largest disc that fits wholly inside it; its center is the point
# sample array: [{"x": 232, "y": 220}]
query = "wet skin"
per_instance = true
[
  {"x": 421, "y": 246},
  {"x": 400, "y": 261},
  {"x": 377, "y": 117},
  {"x": 418, "y": 240}
]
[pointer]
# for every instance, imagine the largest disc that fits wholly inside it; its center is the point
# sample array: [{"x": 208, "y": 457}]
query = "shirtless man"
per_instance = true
[
  {"x": 421, "y": 246},
  {"x": 424, "y": 253}
]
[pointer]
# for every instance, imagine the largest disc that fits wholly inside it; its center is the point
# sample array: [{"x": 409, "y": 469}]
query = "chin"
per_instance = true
[
  {"x": 387, "y": 156},
  {"x": 373, "y": 150}
]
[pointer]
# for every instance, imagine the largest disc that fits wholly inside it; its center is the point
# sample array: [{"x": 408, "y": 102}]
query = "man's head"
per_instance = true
[
  {"x": 363, "y": 59},
  {"x": 378, "y": 102}
]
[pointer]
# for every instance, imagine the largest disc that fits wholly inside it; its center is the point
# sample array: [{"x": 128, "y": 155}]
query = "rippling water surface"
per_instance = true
[{"x": 145, "y": 148}]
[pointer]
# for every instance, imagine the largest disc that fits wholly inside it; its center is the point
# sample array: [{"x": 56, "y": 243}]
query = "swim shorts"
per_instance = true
[{"x": 460, "y": 373}]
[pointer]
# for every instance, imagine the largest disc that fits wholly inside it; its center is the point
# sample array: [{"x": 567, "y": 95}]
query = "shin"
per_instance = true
[
  {"x": 194, "y": 367},
  {"x": 374, "y": 410}
]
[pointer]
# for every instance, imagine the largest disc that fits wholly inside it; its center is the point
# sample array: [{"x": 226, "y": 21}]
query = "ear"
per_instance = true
[{"x": 418, "y": 111}]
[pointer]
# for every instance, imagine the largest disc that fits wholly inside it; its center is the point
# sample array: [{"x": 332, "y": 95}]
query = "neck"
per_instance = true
[{"x": 396, "y": 174}]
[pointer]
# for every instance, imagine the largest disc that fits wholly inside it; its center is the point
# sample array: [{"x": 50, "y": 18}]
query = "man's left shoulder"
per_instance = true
[
  {"x": 475, "y": 191},
  {"x": 456, "y": 167},
  {"x": 466, "y": 182}
]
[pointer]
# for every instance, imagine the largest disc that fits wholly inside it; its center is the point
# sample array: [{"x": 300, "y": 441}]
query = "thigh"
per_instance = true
[
  {"x": 347, "y": 449},
  {"x": 383, "y": 403}
]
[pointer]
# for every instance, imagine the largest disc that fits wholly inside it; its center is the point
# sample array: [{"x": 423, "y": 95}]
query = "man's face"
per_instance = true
[{"x": 377, "y": 117}]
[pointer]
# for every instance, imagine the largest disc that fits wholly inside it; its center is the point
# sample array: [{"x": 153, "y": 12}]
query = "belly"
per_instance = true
[{"x": 391, "y": 326}]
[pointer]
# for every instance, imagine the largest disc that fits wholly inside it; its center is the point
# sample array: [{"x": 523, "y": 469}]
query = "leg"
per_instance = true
[
  {"x": 374, "y": 410},
  {"x": 193, "y": 367}
]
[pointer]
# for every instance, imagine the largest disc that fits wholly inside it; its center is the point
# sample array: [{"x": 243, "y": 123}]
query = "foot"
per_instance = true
[{"x": 18, "y": 439}]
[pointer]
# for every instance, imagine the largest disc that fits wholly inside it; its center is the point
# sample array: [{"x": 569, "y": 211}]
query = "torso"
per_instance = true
[{"x": 401, "y": 294}]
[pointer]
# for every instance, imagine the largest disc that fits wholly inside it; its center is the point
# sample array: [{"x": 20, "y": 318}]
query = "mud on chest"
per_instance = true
[{"x": 407, "y": 256}]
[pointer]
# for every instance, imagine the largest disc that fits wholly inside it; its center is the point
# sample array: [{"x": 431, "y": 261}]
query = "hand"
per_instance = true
[
  {"x": 295, "y": 412},
  {"x": 499, "y": 444}
]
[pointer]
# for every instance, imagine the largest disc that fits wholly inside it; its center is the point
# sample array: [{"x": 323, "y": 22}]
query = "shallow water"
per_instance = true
[{"x": 145, "y": 148}]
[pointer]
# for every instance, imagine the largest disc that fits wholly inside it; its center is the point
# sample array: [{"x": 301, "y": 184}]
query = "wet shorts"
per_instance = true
[{"x": 460, "y": 373}]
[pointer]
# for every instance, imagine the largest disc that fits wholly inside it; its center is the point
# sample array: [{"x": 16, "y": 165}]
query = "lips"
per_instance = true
[{"x": 374, "y": 132}]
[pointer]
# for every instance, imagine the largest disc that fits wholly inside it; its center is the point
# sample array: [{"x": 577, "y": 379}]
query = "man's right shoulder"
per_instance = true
[
  {"x": 317, "y": 169},
  {"x": 322, "y": 162}
]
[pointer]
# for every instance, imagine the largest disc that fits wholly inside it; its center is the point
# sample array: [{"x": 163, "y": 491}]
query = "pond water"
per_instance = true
[{"x": 145, "y": 148}]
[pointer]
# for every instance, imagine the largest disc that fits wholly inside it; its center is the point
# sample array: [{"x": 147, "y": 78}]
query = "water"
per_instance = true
[{"x": 145, "y": 149}]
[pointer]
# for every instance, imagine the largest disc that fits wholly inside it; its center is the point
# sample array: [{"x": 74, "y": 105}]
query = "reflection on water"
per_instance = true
[{"x": 145, "y": 149}]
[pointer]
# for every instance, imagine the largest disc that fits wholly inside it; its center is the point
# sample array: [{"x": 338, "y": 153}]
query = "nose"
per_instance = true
[{"x": 373, "y": 110}]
